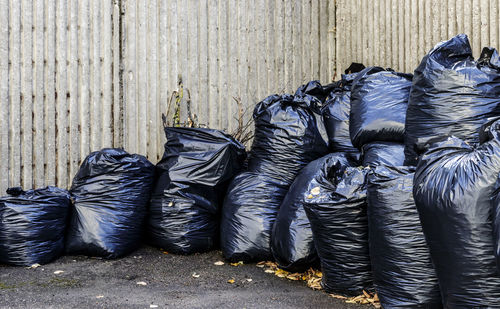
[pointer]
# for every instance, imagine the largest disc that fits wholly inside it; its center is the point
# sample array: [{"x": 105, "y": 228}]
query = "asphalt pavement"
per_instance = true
[{"x": 149, "y": 278}]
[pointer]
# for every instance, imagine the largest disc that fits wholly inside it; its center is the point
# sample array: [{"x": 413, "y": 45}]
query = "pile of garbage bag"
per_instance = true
[
  {"x": 287, "y": 137},
  {"x": 389, "y": 181}
]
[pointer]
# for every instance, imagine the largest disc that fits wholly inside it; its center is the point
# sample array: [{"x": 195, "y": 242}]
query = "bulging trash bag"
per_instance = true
[
  {"x": 292, "y": 242},
  {"x": 496, "y": 222},
  {"x": 286, "y": 136},
  {"x": 250, "y": 209},
  {"x": 383, "y": 153},
  {"x": 403, "y": 273},
  {"x": 337, "y": 212},
  {"x": 315, "y": 94},
  {"x": 451, "y": 95},
  {"x": 453, "y": 187},
  {"x": 32, "y": 225},
  {"x": 193, "y": 177},
  {"x": 379, "y": 99},
  {"x": 335, "y": 113},
  {"x": 111, "y": 192}
]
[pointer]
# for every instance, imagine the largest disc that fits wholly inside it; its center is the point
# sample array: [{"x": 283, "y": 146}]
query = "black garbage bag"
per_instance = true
[
  {"x": 286, "y": 136},
  {"x": 335, "y": 113},
  {"x": 250, "y": 209},
  {"x": 315, "y": 94},
  {"x": 451, "y": 95},
  {"x": 193, "y": 177},
  {"x": 453, "y": 188},
  {"x": 354, "y": 67},
  {"x": 315, "y": 89},
  {"x": 32, "y": 225},
  {"x": 403, "y": 273},
  {"x": 292, "y": 242},
  {"x": 379, "y": 99},
  {"x": 383, "y": 153},
  {"x": 111, "y": 192},
  {"x": 496, "y": 222},
  {"x": 337, "y": 212}
]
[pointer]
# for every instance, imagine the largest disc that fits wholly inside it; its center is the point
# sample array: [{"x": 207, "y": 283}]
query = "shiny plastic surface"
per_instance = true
[
  {"x": 111, "y": 192},
  {"x": 32, "y": 225},
  {"x": 453, "y": 187},
  {"x": 379, "y": 99},
  {"x": 451, "y": 95},
  {"x": 250, "y": 209},
  {"x": 193, "y": 177},
  {"x": 292, "y": 242},
  {"x": 383, "y": 153},
  {"x": 403, "y": 273},
  {"x": 337, "y": 212},
  {"x": 335, "y": 113},
  {"x": 315, "y": 89}
]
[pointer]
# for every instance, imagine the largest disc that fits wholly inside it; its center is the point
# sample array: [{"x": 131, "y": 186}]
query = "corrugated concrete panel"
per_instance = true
[
  {"x": 398, "y": 33},
  {"x": 56, "y": 88},
  {"x": 221, "y": 49}
]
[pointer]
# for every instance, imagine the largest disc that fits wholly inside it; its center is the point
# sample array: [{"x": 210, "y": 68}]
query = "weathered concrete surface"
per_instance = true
[{"x": 94, "y": 283}]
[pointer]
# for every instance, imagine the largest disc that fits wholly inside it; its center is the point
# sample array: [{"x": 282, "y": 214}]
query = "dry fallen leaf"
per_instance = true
[
  {"x": 58, "y": 272},
  {"x": 248, "y": 280},
  {"x": 315, "y": 191},
  {"x": 195, "y": 275},
  {"x": 313, "y": 279},
  {"x": 294, "y": 276},
  {"x": 237, "y": 263},
  {"x": 230, "y": 281},
  {"x": 99, "y": 296},
  {"x": 219, "y": 263},
  {"x": 365, "y": 298},
  {"x": 34, "y": 266},
  {"x": 338, "y": 296},
  {"x": 141, "y": 283},
  {"x": 165, "y": 252},
  {"x": 310, "y": 196},
  {"x": 281, "y": 273}
]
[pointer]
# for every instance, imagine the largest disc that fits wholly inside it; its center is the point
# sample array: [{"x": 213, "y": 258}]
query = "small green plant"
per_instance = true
[{"x": 177, "y": 99}]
